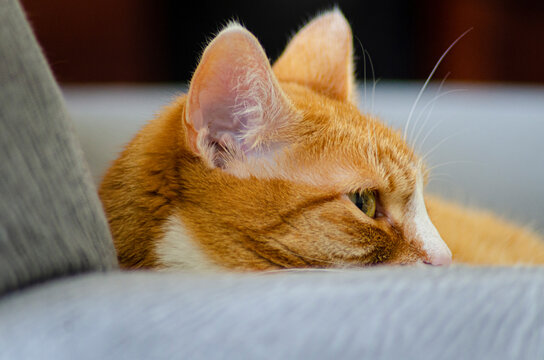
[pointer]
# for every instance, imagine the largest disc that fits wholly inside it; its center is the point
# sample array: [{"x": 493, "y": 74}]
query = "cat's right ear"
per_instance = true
[{"x": 235, "y": 106}]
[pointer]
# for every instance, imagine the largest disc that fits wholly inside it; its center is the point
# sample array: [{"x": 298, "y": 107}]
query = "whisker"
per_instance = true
[
  {"x": 429, "y": 78},
  {"x": 450, "y": 163},
  {"x": 374, "y": 82},
  {"x": 441, "y": 142},
  {"x": 373, "y": 93},
  {"x": 373, "y": 78},
  {"x": 429, "y": 133},
  {"x": 446, "y": 178},
  {"x": 431, "y": 103},
  {"x": 364, "y": 72}
]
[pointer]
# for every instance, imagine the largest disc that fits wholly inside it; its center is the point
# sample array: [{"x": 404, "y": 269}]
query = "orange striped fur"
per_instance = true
[{"x": 250, "y": 171}]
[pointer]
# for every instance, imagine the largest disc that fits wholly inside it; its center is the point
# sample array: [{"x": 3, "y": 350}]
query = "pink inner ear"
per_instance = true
[
  {"x": 234, "y": 101},
  {"x": 215, "y": 107},
  {"x": 229, "y": 107}
]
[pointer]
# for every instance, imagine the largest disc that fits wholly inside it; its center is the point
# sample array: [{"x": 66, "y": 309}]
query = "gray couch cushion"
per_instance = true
[
  {"x": 51, "y": 222},
  {"x": 379, "y": 313}
]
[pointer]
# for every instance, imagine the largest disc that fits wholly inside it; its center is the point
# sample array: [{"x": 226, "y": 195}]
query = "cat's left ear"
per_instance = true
[
  {"x": 320, "y": 56},
  {"x": 235, "y": 106}
]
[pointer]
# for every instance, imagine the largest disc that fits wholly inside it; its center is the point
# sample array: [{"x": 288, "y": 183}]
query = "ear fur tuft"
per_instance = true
[{"x": 235, "y": 106}]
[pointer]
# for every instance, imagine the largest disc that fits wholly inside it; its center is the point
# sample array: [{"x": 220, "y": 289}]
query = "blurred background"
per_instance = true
[{"x": 158, "y": 41}]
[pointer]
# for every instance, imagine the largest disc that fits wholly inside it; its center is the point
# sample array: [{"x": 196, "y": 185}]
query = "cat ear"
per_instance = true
[
  {"x": 235, "y": 106},
  {"x": 320, "y": 55}
]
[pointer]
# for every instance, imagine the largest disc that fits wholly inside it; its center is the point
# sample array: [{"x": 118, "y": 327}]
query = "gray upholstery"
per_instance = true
[
  {"x": 51, "y": 222},
  {"x": 381, "y": 313}
]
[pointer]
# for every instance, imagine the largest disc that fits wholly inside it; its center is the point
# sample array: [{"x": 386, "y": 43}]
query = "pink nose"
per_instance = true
[{"x": 440, "y": 259}]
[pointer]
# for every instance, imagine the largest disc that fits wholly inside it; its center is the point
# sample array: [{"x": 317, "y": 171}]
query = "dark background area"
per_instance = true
[{"x": 161, "y": 41}]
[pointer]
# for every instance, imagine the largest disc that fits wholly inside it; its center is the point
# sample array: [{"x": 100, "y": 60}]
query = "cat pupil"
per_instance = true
[
  {"x": 365, "y": 201},
  {"x": 360, "y": 203}
]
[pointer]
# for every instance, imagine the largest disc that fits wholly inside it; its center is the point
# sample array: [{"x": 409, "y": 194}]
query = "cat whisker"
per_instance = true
[
  {"x": 374, "y": 82},
  {"x": 373, "y": 93},
  {"x": 450, "y": 163},
  {"x": 431, "y": 102},
  {"x": 364, "y": 71},
  {"x": 424, "y": 157},
  {"x": 442, "y": 177},
  {"x": 429, "y": 79},
  {"x": 431, "y": 130}
]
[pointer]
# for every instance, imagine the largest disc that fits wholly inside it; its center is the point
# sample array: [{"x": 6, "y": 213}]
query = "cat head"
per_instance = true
[{"x": 293, "y": 174}]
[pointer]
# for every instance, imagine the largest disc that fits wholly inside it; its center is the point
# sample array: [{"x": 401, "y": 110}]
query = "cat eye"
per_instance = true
[{"x": 365, "y": 201}]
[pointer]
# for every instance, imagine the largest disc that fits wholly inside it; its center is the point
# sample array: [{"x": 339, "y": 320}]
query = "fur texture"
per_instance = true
[{"x": 253, "y": 166}]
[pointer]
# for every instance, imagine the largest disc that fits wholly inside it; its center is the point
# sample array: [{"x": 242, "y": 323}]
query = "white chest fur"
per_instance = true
[{"x": 178, "y": 251}]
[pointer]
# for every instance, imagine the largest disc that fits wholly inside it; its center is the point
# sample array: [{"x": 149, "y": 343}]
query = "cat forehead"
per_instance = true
[{"x": 337, "y": 135}]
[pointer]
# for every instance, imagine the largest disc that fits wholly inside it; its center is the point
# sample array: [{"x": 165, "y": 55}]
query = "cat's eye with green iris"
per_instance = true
[{"x": 366, "y": 201}]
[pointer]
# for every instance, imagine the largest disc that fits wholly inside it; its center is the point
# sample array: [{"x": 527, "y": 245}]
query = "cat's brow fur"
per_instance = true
[{"x": 253, "y": 165}]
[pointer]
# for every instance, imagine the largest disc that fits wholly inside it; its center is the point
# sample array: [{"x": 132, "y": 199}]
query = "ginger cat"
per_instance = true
[{"x": 265, "y": 167}]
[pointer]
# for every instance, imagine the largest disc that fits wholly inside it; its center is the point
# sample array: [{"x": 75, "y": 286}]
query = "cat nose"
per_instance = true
[{"x": 442, "y": 258}]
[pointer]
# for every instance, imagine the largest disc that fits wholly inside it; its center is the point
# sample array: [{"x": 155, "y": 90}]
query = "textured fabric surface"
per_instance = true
[
  {"x": 381, "y": 313},
  {"x": 51, "y": 222}
]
